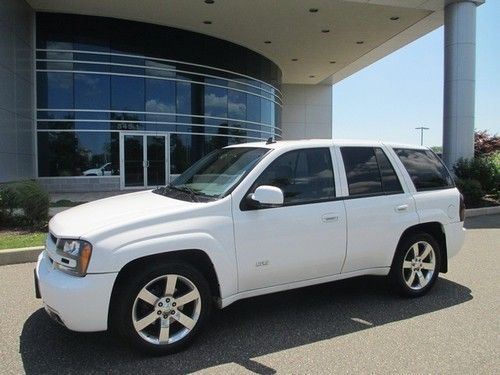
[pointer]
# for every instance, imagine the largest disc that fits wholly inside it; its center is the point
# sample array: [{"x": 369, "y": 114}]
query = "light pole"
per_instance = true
[{"x": 422, "y": 128}]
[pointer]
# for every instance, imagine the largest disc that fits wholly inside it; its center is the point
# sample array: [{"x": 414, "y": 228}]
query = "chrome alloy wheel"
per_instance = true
[
  {"x": 419, "y": 265},
  {"x": 166, "y": 309}
]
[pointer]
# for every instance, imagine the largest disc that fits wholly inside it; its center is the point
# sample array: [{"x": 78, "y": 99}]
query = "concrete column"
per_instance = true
[
  {"x": 307, "y": 111},
  {"x": 459, "y": 80},
  {"x": 16, "y": 91}
]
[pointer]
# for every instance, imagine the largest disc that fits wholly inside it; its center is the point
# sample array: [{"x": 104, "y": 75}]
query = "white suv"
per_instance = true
[{"x": 247, "y": 220}]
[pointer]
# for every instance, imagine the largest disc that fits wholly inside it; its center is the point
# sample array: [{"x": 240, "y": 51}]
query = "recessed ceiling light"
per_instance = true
[
  {"x": 267, "y": 41},
  {"x": 312, "y": 76},
  {"x": 395, "y": 18},
  {"x": 209, "y": 1},
  {"x": 325, "y": 31},
  {"x": 360, "y": 42},
  {"x": 313, "y": 10},
  {"x": 207, "y": 22},
  {"x": 295, "y": 59},
  {"x": 332, "y": 62}
]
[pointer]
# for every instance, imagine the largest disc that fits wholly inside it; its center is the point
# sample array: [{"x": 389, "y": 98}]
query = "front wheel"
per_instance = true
[
  {"x": 416, "y": 265},
  {"x": 161, "y": 311}
]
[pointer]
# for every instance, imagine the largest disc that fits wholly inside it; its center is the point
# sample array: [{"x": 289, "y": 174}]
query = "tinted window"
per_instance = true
[
  {"x": 160, "y": 96},
  {"x": 215, "y": 100},
  {"x": 425, "y": 169},
  {"x": 265, "y": 111},
  {"x": 153, "y": 95},
  {"x": 127, "y": 93},
  {"x": 91, "y": 91},
  {"x": 55, "y": 90},
  {"x": 390, "y": 181},
  {"x": 77, "y": 153},
  {"x": 363, "y": 176},
  {"x": 304, "y": 176},
  {"x": 237, "y": 107}
]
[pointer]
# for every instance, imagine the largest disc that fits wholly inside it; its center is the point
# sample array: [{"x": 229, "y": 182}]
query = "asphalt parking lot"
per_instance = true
[{"x": 353, "y": 326}]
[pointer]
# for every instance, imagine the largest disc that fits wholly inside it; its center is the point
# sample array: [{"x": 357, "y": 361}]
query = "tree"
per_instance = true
[{"x": 485, "y": 143}]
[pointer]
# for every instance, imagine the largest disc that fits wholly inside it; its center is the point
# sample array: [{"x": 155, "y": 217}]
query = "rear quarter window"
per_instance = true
[{"x": 426, "y": 170}]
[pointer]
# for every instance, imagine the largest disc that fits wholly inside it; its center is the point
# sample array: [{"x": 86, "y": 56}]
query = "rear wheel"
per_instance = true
[
  {"x": 416, "y": 265},
  {"x": 162, "y": 310}
]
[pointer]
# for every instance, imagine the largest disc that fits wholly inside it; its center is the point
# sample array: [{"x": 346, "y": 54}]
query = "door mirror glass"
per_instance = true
[{"x": 267, "y": 196}]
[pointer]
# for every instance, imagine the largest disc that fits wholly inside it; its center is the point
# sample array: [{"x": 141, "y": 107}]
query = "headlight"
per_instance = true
[{"x": 75, "y": 256}]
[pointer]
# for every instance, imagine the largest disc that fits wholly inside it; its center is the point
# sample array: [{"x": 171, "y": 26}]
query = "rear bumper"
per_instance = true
[
  {"x": 455, "y": 237},
  {"x": 79, "y": 303}
]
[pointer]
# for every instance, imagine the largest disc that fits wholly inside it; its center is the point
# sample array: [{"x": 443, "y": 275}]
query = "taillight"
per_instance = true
[{"x": 462, "y": 208}]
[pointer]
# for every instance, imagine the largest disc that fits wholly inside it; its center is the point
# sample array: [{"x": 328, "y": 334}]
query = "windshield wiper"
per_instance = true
[{"x": 185, "y": 189}]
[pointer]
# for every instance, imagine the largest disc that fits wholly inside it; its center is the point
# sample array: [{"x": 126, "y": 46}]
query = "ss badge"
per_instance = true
[{"x": 262, "y": 263}]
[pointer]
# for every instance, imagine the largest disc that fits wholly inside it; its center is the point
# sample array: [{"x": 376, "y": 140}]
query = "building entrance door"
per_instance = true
[{"x": 143, "y": 160}]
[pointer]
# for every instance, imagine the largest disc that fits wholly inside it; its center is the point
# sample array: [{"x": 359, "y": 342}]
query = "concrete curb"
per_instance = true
[
  {"x": 30, "y": 254},
  {"x": 23, "y": 255},
  {"x": 471, "y": 212}
]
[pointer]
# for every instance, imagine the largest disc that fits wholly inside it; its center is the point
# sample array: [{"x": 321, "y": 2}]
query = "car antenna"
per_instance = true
[{"x": 270, "y": 140}]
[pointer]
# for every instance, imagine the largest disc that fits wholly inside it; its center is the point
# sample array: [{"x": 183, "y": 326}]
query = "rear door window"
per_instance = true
[
  {"x": 426, "y": 170},
  {"x": 369, "y": 172},
  {"x": 363, "y": 176},
  {"x": 390, "y": 181}
]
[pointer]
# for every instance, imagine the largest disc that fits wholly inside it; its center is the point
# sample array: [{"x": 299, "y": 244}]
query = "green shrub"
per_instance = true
[
  {"x": 484, "y": 169},
  {"x": 34, "y": 201},
  {"x": 28, "y": 197},
  {"x": 471, "y": 190},
  {"x": 8, "y": 199}
]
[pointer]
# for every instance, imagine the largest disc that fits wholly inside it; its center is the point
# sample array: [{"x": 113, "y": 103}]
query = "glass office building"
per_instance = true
[{"x": 138, "y": 103}]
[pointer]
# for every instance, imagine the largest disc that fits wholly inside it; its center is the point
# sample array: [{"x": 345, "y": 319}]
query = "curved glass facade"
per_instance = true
[{"x": 109, "y": 91}]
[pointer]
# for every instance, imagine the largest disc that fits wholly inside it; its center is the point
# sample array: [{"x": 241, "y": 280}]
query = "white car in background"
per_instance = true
[
  {"x": 104, "y": 170},
  {"x": 248, "y": 220}
]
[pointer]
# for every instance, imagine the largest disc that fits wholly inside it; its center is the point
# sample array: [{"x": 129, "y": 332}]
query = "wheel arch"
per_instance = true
[
  {"x": 197, "y": 258},
  {"x": 434, "y": 229}
]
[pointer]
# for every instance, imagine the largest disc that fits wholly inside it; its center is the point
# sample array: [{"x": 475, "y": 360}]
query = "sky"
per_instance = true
[{"x": 404, "y": 90}]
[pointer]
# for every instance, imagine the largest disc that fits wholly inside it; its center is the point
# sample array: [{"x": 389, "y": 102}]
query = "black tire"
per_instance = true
[
  {"x": 122, "y": 321},
  {"x": 400, "y": 277}
]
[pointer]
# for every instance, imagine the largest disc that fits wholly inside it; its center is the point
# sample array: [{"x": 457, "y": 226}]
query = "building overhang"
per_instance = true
[{"x": 310, "y": 47}]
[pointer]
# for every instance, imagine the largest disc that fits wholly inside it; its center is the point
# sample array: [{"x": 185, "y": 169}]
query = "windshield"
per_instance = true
[{"x": 216, "y": 174}]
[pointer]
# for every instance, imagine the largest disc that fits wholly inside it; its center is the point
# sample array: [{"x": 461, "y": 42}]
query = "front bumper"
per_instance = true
[{"x": 79, "y": 303}]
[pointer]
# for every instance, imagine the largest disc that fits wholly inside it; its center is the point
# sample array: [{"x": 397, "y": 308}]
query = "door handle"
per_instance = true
[
  {"x": 402, "y": 208},
  {"x": 329, "y": 218}
]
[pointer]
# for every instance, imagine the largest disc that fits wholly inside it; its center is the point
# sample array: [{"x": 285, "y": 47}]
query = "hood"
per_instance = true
[{"x": 83, "y": 219}]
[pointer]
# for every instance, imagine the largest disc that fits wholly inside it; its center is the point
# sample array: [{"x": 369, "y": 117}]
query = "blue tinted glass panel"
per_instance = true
[
  {"x": 127, "y": 93},
  {"x": 55, "y": 90},
  {"x": 183, "y": 99},
  {"x": 91, "y": 91},
  {"x": 253, "y": 108},
  {"x": 160, "y": 96},
  {"x": 237, "y": 105},
  {"x": 215, "y": 101},
  {"x": 265, "y": 111}
]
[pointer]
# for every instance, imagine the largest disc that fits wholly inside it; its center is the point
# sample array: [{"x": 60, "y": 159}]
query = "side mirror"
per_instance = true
[{"x": 266, "y": 196}]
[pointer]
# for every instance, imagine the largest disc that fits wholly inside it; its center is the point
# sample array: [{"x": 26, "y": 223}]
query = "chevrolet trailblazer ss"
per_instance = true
[{"x": 247, "y": 220}]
